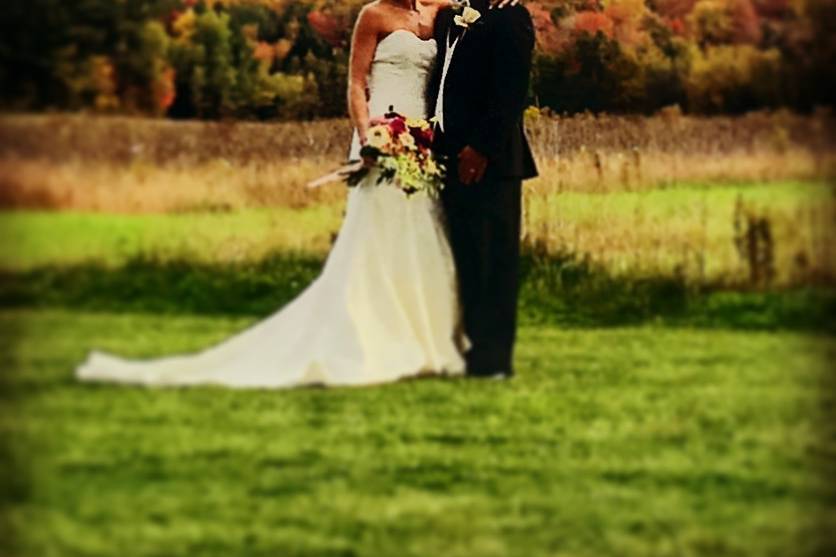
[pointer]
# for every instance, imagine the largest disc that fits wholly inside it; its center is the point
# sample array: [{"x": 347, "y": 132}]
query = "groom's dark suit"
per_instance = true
[{"x": 485, "y": 94}]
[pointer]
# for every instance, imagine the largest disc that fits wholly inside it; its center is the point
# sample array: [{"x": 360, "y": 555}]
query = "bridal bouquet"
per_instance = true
[{"x": 400, "y": 148}]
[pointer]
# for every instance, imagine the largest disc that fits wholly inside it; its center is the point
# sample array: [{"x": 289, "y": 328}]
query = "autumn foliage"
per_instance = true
[{"x": 283, "y": 59}]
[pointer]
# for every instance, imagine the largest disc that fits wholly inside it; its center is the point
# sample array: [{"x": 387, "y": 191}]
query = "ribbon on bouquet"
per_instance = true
[{"x": 339, "y": 175}]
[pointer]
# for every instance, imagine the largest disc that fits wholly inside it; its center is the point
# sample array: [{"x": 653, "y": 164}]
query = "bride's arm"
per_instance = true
[
  {"x": 438, "y": 4},
  {"x": 430, "y": 8},
  {"x": 363, "y": 46}
]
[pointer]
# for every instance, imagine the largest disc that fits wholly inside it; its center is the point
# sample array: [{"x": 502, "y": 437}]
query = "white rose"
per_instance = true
[
  {"x": 378, "y": 137},
  {"x": 407, "y": 141}
]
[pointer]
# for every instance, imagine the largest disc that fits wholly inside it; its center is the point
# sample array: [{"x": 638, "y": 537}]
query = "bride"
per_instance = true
[{"x": 385, "y": 305}]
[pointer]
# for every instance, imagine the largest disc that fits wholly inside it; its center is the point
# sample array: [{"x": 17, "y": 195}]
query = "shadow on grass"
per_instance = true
[
  {"x": 566, "y": 290},
  {"x": 559, "y": 291}
]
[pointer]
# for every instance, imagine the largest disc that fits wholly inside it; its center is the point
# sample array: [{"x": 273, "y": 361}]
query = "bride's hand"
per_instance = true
[{"x": 499, "y": 4}]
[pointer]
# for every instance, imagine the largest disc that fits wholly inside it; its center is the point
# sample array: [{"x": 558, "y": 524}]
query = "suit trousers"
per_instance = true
[{"x": 483, "y": 222}]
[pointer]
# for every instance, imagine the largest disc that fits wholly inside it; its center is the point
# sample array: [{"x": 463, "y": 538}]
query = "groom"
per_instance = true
[{"x": 478, "y": 94}]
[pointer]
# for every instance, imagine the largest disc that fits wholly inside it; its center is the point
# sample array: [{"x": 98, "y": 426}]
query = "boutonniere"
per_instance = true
[{"x": 467, "y": 15}]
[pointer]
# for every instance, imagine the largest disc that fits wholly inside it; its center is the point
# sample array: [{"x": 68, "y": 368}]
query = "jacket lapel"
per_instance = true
[{"x": 455, "y": 32}]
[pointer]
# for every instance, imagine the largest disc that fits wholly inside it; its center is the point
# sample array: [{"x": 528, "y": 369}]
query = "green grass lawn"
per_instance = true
[
  {"x": 621, "y": 441},
  {"x": 649, "y": 417},
  {"x": 687, "y": 228},
  {"x": 35, "y": 238}
]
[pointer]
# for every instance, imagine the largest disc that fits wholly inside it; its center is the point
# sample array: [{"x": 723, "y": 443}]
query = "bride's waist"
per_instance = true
[{"x": 406, "y": 103}]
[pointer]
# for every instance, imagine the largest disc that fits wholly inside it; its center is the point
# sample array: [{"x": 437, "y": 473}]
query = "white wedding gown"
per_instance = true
[{"x": 385, "y": 305}]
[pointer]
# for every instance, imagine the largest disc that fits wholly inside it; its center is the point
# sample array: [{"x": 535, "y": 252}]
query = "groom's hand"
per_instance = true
[{"x": 472, "y": 166}]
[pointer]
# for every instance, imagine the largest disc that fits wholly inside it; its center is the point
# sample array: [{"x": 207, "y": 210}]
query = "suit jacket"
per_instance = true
[{"x": 486, "y": 90}]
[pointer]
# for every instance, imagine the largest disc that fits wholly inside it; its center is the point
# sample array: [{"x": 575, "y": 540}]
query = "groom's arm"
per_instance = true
[{"x": 507, "y": 91}]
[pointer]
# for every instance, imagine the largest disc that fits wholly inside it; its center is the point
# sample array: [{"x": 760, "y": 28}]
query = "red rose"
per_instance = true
[
  {"x": 397, "y": 126},
  {"x": 423, "y": 137}
]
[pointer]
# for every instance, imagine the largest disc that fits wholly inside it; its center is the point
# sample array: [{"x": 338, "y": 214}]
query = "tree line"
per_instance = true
[{"x": 287, "y": 59}]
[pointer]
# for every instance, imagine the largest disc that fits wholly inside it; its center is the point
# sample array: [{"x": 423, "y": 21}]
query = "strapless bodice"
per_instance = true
[{"x": 399, "y": 76}]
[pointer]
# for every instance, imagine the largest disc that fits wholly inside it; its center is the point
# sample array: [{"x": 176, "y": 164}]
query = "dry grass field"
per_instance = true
[
  {"x": 730, "y": 200},
  {"x": 120, "y": 164}
]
